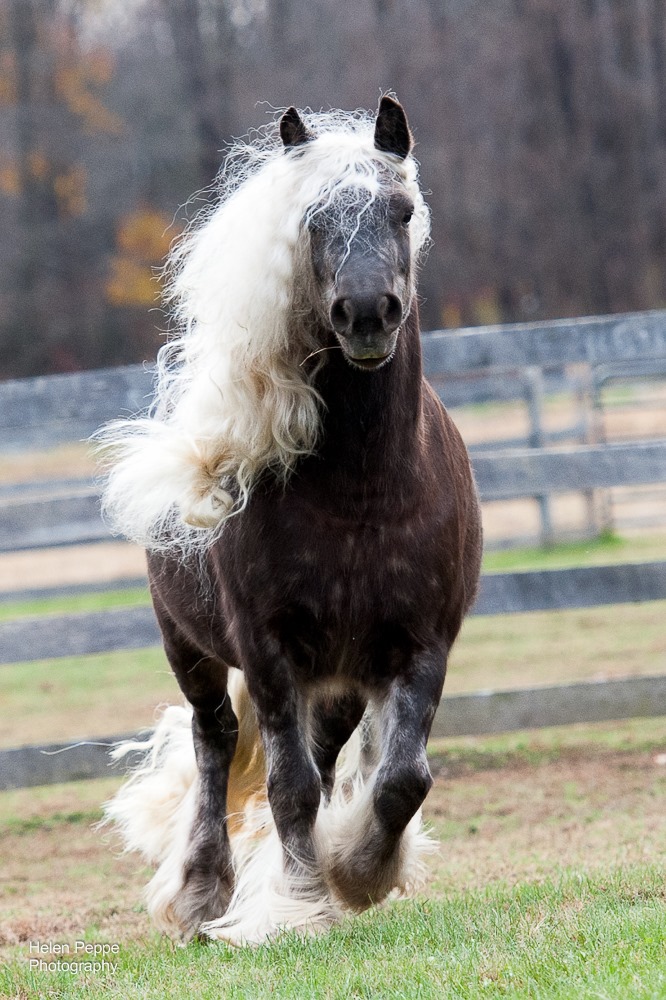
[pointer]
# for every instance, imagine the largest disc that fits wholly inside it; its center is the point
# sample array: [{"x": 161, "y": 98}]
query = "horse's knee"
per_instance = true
[{"x": 400, "y": 790}]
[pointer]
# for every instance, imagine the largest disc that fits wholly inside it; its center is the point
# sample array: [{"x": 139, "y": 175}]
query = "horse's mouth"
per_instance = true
[
  {"x": 370, "y": 364},
  {"x": 368, "y": 352}
]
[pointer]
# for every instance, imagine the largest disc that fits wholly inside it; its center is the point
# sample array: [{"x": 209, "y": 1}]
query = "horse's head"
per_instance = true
[{"x": 360, "y": 247}]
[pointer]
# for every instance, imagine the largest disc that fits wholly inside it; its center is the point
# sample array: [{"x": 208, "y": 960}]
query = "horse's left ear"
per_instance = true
[
  {"x": 392, "y": 133},
  {"x": 293, "y": 130}
]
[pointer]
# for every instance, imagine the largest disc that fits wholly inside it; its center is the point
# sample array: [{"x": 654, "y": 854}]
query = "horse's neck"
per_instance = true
[{"x": 371, "y": 423}]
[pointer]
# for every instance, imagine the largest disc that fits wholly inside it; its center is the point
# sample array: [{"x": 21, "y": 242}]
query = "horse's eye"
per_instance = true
[{"x": 407, "y": 217}]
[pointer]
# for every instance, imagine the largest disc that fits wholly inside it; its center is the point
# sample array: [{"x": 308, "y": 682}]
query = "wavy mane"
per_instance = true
[{"x": 232, "y": 398}]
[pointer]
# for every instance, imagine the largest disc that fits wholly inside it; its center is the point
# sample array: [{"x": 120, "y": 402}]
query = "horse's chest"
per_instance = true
[
  {"x": 342, "y": 598},
  {"x": 357, "y": 571}
]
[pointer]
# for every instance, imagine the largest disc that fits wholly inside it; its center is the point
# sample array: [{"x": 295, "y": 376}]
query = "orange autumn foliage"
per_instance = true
[{"x": 143, "y": 240}]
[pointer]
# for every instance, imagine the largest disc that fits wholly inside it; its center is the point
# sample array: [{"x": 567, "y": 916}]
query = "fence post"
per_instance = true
[
  {"x": 584, "y": 394},
  {"x": 604, "y": 498},
  {"x": 534, "y": 397}
]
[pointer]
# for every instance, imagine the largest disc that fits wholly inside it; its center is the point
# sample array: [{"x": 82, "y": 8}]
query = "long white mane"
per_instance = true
[{"x": 232, "y": 398}]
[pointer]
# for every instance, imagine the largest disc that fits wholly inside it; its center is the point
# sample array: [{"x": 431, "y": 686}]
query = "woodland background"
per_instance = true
[{"x": 541, "y": 130}]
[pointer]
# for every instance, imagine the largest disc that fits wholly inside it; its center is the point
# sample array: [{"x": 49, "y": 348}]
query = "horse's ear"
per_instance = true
[
  {"x": 392, "y": 133},
  {"x": 293, "y": 130}
]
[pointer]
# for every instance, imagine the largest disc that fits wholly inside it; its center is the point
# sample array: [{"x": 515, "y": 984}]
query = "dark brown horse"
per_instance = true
[{"x": 336, "y": 580}]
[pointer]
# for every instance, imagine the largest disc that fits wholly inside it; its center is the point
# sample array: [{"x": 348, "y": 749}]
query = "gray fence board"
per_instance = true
[
  {"x": 577, "y": 587},
  {"x": 518, "y": 472},
  {"x": 596, "y": 340},
  {"x": 48, "y": 636},
  {"x": 525, "y": 472},
  {"x": 52, "y": 636},
  {"x": 38, "y": 412},
  {"x": 561, "y": 705},
  {"x": 40, "y": 524},
  {"x": 457, "y": 715},
  {"x": 52, "y": 763}
]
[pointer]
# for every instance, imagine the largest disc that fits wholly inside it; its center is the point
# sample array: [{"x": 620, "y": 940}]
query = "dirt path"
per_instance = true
[
  {"x": 63, "y": 567},
  {"x": 582, "y": 807}
]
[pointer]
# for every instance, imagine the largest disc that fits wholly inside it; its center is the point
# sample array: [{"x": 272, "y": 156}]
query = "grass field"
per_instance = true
[
  {"x": 576, "y": 938},
  {"x": 549, "y": 882}
]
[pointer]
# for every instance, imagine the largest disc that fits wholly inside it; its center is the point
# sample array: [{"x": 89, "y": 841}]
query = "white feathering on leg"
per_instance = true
[
  {"x": 268, "y": 899},
  {"x": 154, "y": 812}
]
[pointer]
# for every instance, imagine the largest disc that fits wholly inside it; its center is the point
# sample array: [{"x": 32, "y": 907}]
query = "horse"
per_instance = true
[{"x": 313, "y": 536}]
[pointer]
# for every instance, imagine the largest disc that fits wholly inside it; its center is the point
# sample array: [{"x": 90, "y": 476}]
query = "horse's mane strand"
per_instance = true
[{"x": 232, "y": 398}]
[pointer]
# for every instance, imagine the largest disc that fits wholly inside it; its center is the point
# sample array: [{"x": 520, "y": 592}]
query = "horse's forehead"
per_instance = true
[{"x": 369, "y": 195}]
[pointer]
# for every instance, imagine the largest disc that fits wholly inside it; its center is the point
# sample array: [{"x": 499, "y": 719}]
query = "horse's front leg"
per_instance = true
[
  {"x": 280, "y": 883},
  {"x": 371, "y": 851},
  {"x": 195, "y": 882}
]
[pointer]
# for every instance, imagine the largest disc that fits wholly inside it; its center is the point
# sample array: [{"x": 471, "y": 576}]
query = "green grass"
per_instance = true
[
  {"x": 17, "y": 825},
  {"x": 72, "y": 603},
  {"x": 65, "y": 699},
  {"x": 593, "y": 937},
  {"x": 596, "y": 931},
  {"x": 607, "y": 548}
]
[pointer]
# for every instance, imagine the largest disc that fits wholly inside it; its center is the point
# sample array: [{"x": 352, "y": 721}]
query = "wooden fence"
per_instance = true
[{"x": 48, "y": 411}]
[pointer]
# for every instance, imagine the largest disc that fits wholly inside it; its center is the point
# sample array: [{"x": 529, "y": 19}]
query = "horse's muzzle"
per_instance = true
[
  {"x": 367, "y": 327},
  {"x": 365, "y": 315}
]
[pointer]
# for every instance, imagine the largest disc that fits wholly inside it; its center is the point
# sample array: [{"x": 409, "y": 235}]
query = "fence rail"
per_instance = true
[
  {"x": 513, "y": 473},
  {"x": 23, "y": 640},
  {"x": 595, "y": 340},
  {"x": 54, "y": 408},
  {"x": 458, "y": 715},
  {"x": 40, "y": 412}
]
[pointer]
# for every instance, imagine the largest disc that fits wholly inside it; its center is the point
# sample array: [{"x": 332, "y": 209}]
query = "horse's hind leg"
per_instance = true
[
  {"x": 333, "y": 721},
  {"x": 370, "y": 851},
  {"x": 195, "y": 883}
]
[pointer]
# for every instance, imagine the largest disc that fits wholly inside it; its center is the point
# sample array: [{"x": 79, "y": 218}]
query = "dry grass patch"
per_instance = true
[
  {"x": 66, "y": 700},
  {"x": 587, "y": 809},
  {"x": 558, "y": 647},
  {"x": 73, "y": 565},
  {"x": 59, "y": 874}
]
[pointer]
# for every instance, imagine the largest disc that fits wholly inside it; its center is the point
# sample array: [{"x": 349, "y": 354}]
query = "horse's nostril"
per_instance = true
[
  {"x": 390, "y": 311},
  {"x": 342, "y": 315}
]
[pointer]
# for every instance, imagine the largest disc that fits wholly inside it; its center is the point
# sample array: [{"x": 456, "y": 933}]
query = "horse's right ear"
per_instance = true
[{"x": 293, "y": 130}]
